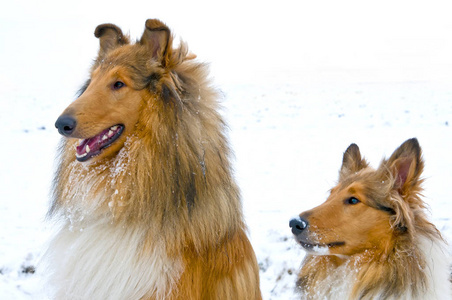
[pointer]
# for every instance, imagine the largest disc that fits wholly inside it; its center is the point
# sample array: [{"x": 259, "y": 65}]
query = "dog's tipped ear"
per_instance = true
[
  {"x": 352, "y": 161},
  {"x": 406, "y": 166},
  {"x": 157, "y": 37},
  {"x": 110, "y": 36}
]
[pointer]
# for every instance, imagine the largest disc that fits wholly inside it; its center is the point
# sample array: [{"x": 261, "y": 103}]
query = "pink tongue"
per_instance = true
[{"x": 95, "y": 143}]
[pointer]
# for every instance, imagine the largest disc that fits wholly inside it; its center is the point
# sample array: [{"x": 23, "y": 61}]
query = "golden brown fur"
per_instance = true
[
  {"x": 371, "y": 238},
  {"x": 168, "y": 175}
]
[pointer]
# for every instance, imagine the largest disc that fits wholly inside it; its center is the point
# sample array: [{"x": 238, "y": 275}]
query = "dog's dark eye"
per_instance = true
[
  {"x": 118, "y": 84},
  {"x": 352, "y": 201}
]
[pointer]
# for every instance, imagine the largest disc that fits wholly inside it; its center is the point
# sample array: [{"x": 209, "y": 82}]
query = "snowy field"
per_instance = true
[{"x": 301, "y": 81}]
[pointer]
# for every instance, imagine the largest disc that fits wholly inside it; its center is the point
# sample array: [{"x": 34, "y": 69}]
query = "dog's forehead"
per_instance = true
[
  {"x": 360, "y": 182},
  {"x": 128, "y": 61},
  {"x": 352, "y": 187}
]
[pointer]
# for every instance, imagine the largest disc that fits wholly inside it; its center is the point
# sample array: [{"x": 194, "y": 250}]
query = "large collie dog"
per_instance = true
[
  {"x": 371, "y": 238},
  {"x": 144, "y": 197}
]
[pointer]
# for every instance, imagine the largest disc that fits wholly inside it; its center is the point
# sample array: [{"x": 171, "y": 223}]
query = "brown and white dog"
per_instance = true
[
  {"x": 144, "y": 198},
  {"x": 371, "y": 239}
]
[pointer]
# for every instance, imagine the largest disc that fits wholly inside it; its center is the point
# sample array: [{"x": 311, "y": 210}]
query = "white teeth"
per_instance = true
[
  {"x": 114, "y": 127},
  {"x": 80, "y": 156},
  {"x": 87, "y": 149},
  {"x": 110, "y": 133},
  {"x": 104, "y": 137}
]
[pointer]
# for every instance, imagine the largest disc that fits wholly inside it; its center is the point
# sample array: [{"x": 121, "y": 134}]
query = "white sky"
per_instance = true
[{"x": 242, "y": 37}]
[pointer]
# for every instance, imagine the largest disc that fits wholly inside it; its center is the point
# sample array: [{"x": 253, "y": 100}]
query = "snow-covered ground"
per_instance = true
[{"x": 301, "y": 81}]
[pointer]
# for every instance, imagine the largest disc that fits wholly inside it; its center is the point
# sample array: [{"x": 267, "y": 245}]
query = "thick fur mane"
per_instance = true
[
  {"x": 156, "y": 183},
  {"x": 371, "y": 276},
  {"x": 157, "y": 214}
]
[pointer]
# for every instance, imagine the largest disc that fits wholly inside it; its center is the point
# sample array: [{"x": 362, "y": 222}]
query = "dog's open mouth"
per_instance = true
[{"x": 94, "y": 145}]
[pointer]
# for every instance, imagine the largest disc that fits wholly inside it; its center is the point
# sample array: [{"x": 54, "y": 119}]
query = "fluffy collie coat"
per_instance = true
[
  {"x": 371, "y": 238},
  {"x": 144, "y": 198}
]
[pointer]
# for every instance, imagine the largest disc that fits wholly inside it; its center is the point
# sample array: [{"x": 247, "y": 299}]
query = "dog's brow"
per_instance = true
[{"x": 352, "y": 190}]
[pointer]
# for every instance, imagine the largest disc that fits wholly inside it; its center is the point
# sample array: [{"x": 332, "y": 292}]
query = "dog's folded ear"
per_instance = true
[
  {"x": 157, "y": 37},
  {"x": 352, "y": 161},
  {"x": 406, "y": 166},
  {"x": 110, "y": 36}
]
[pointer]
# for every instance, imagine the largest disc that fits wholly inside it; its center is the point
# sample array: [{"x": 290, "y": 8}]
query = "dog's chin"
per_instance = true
[{"x": 99, "y": 146}]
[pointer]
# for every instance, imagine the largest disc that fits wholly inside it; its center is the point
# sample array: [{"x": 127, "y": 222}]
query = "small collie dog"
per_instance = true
[
  {"x": 144, "y": 201},
  {"x": 371, "y": 238}
]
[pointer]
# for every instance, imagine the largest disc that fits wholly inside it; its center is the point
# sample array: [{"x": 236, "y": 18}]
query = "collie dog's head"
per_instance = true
[
  {"x": 124, "y": 78},
  {"x": 368, "y": 209}
]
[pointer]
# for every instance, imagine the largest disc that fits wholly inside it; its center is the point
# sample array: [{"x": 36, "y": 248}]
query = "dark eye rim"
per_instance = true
[
  {"x": 352, "y": 201},
  {"x": 118, "y": 85}
]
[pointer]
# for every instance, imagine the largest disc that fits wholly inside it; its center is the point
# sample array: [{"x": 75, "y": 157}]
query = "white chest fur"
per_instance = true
[{"x": 105, "y": 261}]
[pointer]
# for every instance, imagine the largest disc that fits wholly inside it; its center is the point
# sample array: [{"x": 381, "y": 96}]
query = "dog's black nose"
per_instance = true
[
  {"x": 65, "y": 125},
  {"x": 298, "y": 225}
]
